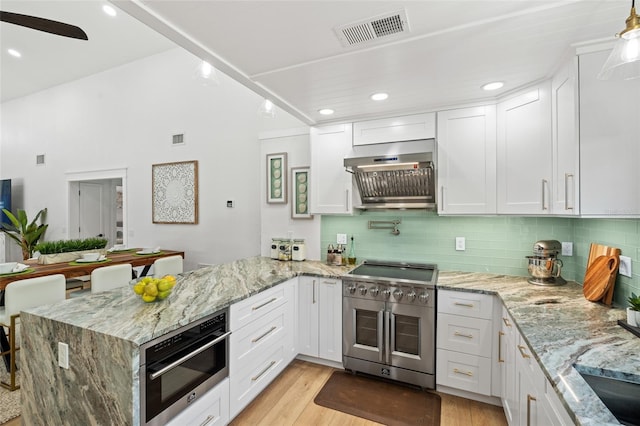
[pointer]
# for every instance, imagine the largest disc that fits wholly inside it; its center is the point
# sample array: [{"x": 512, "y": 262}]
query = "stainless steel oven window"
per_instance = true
[
  {"x": 407, "y": 334},
  {"x": 367, "y": 328}
]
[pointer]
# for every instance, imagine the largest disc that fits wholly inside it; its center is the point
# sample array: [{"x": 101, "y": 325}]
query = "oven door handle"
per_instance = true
[
  {"x": 387, "y": 333},
  {"x": 188, "y": 356},
  {"x": 381, "y": 336}
]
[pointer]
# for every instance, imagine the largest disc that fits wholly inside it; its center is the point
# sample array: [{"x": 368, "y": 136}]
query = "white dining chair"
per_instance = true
[
  {"x": 106, "y": 278},
  {"x": 171, "y": 265},
  {"x": 21, "y": 295}
]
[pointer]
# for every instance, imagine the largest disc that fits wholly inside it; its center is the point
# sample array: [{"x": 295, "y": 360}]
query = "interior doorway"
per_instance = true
[{"x": 97, "y": 205}]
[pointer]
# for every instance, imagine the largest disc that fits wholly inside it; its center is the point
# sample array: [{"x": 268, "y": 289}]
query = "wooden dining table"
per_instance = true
[{"x": 74, "y": 269}]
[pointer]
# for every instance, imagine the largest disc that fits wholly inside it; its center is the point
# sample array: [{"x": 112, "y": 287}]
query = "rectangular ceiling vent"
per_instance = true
[{"x": 377, "y": 29}]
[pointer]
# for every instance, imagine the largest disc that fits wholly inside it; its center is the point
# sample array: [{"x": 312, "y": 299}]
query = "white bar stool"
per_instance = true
[
  {"x": 171, "y": 265},
  {"x": 106, "y": 278}
]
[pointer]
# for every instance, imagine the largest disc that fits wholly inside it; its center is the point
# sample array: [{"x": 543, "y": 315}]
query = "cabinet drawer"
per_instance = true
[
  {"x": 473, "y": 305},
  {"x": 212, "y": 408},
  {"x": 247, "y": 383},
  {"x": 248, "y": 343},
  {"x": 463, "y": 334},
  {"x": 461, "y": 371},
  {"x": 247, "y": 310}
]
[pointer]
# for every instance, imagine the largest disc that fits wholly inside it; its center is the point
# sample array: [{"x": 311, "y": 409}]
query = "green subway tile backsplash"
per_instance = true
[{"x": 493, "y": 244}]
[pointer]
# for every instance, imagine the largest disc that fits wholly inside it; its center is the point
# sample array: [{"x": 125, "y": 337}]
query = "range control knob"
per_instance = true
[
  {"x": 363, "y": 290},
  {"x": 398, "y": 294},
  {"x": 352, "y": 288},
  {"x": 424, "y": 297},
  {"x": 374, "y": 291},
  {"x": 386, "y": 293},
  {"x": 411, "y": 296}
]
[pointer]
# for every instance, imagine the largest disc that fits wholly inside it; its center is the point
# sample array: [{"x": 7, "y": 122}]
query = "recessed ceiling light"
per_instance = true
[
  {"x": 109, "y": 10},
  {"x": 326, "y": 111},
  {"x": 381, "y": 96},
  {"x": 493, "y": 86},
  {"x": 14, "y": 53}
]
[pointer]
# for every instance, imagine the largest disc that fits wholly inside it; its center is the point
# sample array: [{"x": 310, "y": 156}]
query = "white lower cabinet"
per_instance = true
[
  {"x": 320, "y": 317},
  {"x": 210, "y": 409},
  {"x": 262, "y": 344},
  {"x": 528, "y": 397},
  {"x": 464, "y": 339}
]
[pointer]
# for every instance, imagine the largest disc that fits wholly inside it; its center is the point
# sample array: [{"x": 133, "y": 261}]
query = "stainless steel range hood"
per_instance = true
[{"x": 399, "y": 175}]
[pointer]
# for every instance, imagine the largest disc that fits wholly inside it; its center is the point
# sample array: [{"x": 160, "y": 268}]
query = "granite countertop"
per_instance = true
[{"x": 561, "y": 327}]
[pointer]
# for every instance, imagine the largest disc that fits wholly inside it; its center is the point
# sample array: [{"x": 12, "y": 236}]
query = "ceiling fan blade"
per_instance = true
[{"x": 46, "y": 25}]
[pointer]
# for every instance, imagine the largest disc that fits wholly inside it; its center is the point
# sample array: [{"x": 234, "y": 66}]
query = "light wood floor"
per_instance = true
[{"x": 289, "y": 401}]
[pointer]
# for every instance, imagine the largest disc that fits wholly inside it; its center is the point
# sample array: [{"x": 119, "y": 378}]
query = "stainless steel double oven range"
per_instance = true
[
  {"x": 179, "y": 367},
  {"x": 389, "y": 315}
]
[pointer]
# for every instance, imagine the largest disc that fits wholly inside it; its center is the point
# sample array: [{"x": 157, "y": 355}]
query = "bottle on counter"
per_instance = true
[
  {"x": 330, "y": 254},
  {"x": 351, "y": 257},
  {"x": 337, "y": 255}
]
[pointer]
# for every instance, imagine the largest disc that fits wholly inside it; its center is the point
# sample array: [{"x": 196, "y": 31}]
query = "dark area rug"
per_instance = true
[{"x": 380, "y": 401}]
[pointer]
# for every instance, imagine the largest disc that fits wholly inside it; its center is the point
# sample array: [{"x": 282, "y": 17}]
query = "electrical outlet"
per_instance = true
[
  {"x": 63, "y": 355},
  {"x": 625, "y": 266},
  {"x": 460, "y": 243},
  {"x": 341, "y": 238},
  {"x": 567, "y": 249}
]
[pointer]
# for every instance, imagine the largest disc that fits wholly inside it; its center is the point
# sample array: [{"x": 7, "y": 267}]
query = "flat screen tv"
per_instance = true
[{"x": 5, "y": 199}]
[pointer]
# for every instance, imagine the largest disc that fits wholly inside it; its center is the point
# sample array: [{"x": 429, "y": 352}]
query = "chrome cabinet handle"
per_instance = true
[
  {"x": 522, "y": 352},
  {"x": 466, "y": 305},
  {"x": 313, "y": 290},
  {"x": 468, "y": 336},
  {"x": 529, "y": 399},
  {"x": 265, "y": 334},
  {"x": 271, "y": 364},
  {"x": 544, "y": 195},
  {"x": 466, "y": 373},
  {"x": 188, "y": 356},
  {"x": 566, "y": 191},
  {"x": 255, "y": 308},
  {"x": 346, "y": 204},
  {"x": 208, "y": 420},
  {"x": 500, "y": 334}
]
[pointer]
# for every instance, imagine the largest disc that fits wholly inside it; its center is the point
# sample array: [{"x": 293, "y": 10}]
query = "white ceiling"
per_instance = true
[{"x": 289, "y": 52}]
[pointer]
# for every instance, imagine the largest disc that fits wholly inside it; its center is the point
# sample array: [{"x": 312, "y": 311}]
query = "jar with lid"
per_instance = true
[
  {"x": 275, "y": 248},
  {"x": 284, "y": 252}
]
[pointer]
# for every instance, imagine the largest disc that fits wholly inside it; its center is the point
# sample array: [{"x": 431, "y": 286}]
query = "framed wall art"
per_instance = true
[
  {"x": 300, "y": 193},
  {"x": 175, "y": 192},
  {"x": 277, "y": 178}
]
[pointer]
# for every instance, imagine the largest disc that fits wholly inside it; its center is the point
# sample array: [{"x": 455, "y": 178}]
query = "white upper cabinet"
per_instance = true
[
  {"x": 524, "y": 147},
  {"x": 566, "y": 152},
  {"x": 467, "y": 160},
  {"x": 331, "y": 185},
  {"x": 411, "y": 127},
  {"x": 609, "y": 141}
]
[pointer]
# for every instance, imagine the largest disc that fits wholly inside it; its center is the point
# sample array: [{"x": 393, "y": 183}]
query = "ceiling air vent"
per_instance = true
[{"x": 376, "y": 29}]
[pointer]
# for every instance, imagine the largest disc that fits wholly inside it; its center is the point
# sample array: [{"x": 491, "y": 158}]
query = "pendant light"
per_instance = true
[{"x": 624, "y": 61}]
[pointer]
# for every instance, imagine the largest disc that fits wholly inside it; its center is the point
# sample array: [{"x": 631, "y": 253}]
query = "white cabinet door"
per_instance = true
[
  {"x": 395, "y": 129},
  {"x": 308, "y": 316},
  {"x": 566, "y": 152},
  {"x": 467, "y": 160},
  {"x": 609, "y": 141},
  {"x": 507, "y": 361},
  {"x": 331, "y": 185},
  {"x": 320, "y": 318},
  {"x": 330, "y": 319},
  {"x": 524, "y": 147}
]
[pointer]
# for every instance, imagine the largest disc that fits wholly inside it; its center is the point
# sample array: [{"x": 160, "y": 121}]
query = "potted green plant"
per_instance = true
[
  {"x": 25, "y": 233},
  {"x": 69, "y": 250},
  {"x": 633, "y": 311}
]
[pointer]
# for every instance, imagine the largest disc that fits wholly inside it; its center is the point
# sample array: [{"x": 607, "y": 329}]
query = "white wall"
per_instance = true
[
  {"x": 276, "y": 218},
  {"x": 124, "y": 118}
]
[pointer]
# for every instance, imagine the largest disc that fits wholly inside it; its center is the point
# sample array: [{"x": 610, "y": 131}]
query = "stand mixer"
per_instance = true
[{"x": 544, "y": 265}]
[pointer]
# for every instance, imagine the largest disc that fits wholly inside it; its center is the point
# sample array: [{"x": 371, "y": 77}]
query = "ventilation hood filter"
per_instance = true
[{"x": 378, "y": 29}]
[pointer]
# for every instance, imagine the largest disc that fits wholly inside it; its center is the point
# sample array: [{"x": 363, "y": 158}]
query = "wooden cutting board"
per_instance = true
[
  {"x": 596, "y": 251},
  {"x": 597, "y": 280}
]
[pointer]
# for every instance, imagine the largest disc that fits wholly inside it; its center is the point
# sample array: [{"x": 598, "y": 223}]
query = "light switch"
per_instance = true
[{"x": 460, "y": 244}]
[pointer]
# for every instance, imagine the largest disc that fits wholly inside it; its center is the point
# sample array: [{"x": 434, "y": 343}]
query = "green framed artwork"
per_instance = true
[
  {"x": 300, "y": 193},
  {"x": 277, "y": 178}
]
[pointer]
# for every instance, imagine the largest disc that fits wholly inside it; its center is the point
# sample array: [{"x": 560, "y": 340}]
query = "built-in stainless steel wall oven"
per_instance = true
[
  {"x": 389, "y": 321},
  {"x": 178, "y": 367}
]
